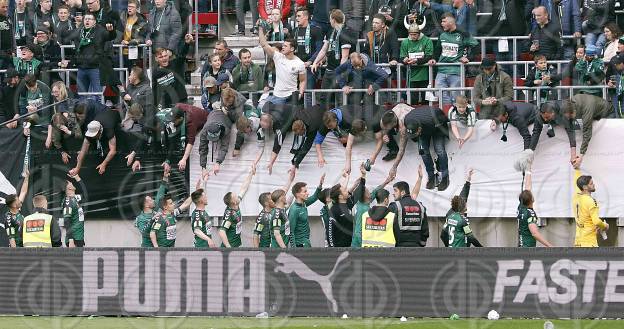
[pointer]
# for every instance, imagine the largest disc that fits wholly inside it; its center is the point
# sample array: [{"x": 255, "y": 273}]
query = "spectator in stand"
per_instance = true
[
  {"x": 254, "y": 7},
  {"x": 591, "y": 71},
  {"x": 570, "y": 71},
  {"x": 216, "y": 130},
  {"x": 463, "y": 113},
  {"x": 338, "y": 44},
  {"x": 51, "y": 54},
  {"x": 247, "y": 75},
  {"x": 228, "y": 59},
  {"x": 76, "y": 9},
  {"x": 506, "y": 20},
  {"x": 354, "y": 11},
  {"x": 381, "y": 44},
  {"x": 588, "y": 109},
  {"x": 43, "y": 15},
  {"x": 519, "y": 115},
  {"x": 9, "y": 96},
  {"x": 465, "y": 13},
  {"x": 392, "y": 12},
  {"x": 309, "y": 41},
  {"x": 492, "y": 88},
  {"x": 105, "y": 18},
  {"x": 321, "y": 12},
  {"x": 416, "y": 51},
  {"x": 616, "y": 83},
  {"x": 35, "y": 96},
  {"x": 23, "y": 24},
  {"x": 87, "y": 110},
  {"x": 60, "y": 93},
  {"x": 596, "y": 14},
  {"x": 89, "y": 41},
  {"x": 216, "y": 68},
  {"x": 455, "y": 46},
  {"x": 139, "y": 92},
  {"x": 551, "y": 8},
  {"x": 168, "y": 84},
  {"x": 63, "y": 24},
  {"x": 288, "y": 69},
  {"x": 66, "y": 135},
  {"x": 135, "y": 28},
  {"x": 359, "y": 72},
  {"x": 165, "y": 27},
  {"x": 6, "y": 35},
  {"x": 612, "y": 35},
  {"x": 542, "y": 75},
  {"x": 546, "y": 36},
  {"x": 27, "y": 64},
  {"x": 570, "y": 25},
  {"x": 275, "y": 27},
  {"x": 103, "y": 131},
  {"x": 266, "y": 7}
]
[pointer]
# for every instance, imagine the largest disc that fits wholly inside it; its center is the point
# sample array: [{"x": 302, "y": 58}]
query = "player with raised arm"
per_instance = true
[
  {"x": 201, "y": 222},
  {"x": 163, "y": 229},
  {"x": 528, "y": 232},
  {"x": 14, "y": 219},
  {"x": 232, "y": 223},
  {"x": 456, "y": 232},
  {"x": 280, "y": 226},
  {"x": 73, "y": 214}
]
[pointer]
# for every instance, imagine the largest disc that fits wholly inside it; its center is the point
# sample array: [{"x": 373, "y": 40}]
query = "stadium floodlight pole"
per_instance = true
[{"x": 31, "y": 113}]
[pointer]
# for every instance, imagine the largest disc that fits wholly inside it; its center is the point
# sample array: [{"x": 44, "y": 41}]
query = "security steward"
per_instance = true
[
  {"x": 41, "y": 229},
  {"x": 411, "y": 217},
  {"x": 379, "y": 225}
]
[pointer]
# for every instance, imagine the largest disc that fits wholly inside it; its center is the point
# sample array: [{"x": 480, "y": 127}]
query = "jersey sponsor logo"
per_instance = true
[{"x": 450, "y": 49}]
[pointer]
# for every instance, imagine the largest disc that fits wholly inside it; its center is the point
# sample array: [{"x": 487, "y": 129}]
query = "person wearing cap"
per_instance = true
[
  {"x": 616, "y": 85},
  {"x": 456, "y": 46},
  {"x": 587, "y": 108},
  {"x": 492, "y": 88},
  {"x": 217, "y": 131},
  {"x": 416, "y": 51},
  {"x": 426, "y": 125},
  {"x": 545, "y": 36},
  {"x": 36, "y": 95},
  {"x": 591, "y": 69},
  {"x": 168, "y": 83},
  {"x": 9, "y": 96},
  {"x": 27, "y": 64},
  {"x": 102, "y": 132},
  {"x": 551, "y": 115},
  {"x": 210, "y": 94},
  {"x": 520, "y": 115},
  {"x": 51, "y": 54}
]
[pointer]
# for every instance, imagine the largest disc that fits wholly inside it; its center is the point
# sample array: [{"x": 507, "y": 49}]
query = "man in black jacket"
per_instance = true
[
  {"x": 307, "y": 123},
  {"x": 168, "y": 81},
  {"x": 546, "y": 36},
  {"x": 381, "y": 44},
  {"x": 51, "y": 55},
  {"x": 105, "y": 17},
  {"x": 519, "y": 115},
  {"x": 341, "y": 216},
  {"x": 411, "y": 217},
  {"x": 9, "y": 96},
  {"x": 90, "y": 52},
  {"x": 279, "y": 119},
  {"x": 551, "y": 114}
]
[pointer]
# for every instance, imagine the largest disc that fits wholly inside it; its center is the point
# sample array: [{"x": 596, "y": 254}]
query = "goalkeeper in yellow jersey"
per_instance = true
[{"x": 585, "y": 207}]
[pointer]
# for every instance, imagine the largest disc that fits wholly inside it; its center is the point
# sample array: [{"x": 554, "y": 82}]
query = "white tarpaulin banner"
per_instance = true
[{"x": 495, "y": 184}]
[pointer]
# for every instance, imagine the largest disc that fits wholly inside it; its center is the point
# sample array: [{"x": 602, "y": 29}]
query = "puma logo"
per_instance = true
[{"x": 288, "y": 264}]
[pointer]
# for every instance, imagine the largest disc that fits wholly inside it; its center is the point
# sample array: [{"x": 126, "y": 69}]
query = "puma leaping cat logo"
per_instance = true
[{"x": 288, "y": 264}]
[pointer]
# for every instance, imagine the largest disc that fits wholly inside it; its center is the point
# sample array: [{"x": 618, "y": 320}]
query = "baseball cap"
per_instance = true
[
  {"x": 210, "y": 82},
  {"x": 11, "y": 73},
  {"x": 488, "y": 62},
  {"x": 591, "y": 50},
  {"x": 43, "y": 28},
  {"x": 93, "y": 128},
  {"x": 213, "y": 131}
]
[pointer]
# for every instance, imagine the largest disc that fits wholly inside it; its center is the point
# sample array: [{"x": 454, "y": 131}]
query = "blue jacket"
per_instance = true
[
  {"x": 571, "y": 17},
  {"x": 371, "y": 73},
  {"x": 466, "y": 16}
]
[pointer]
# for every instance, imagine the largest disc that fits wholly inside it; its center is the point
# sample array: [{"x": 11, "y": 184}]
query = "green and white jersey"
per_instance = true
[
  {"x": 73, "y": 217},
  {"x": 279, "y": 221},
  {"x": 458, "y": 229},
  {"x": 13, "y": 226},
  {"x": 232, "y": 225},
  {"x": 454, "y": 46},
  {"x": 526, "y": 216},
  {"x": 165, "y": 228},
  {"x": 202, "y": 221},
  {"x": 263, "y": 228}
]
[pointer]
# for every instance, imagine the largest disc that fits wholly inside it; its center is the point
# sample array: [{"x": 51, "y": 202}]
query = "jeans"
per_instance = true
[
  {"x": 444, "y": 80},
  {"x": 599, "y": 40},
  {"x": 277, "y": 100},
  {"x": 438, "y": 139},
  {"x": 240, "y": 13},
  {"x": 89, "y": 81}
]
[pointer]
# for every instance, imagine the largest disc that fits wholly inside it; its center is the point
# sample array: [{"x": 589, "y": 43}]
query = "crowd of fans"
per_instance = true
[{"x": 309, "y": 45}]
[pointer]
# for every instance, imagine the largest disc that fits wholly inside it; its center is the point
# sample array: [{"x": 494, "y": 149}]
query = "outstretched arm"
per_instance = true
[
  {"x": 416, "y": 189},
  {"x": 528, "y": 180},
  {"x": 268, "y": 49},
  {"x": 378, "y": 146},
  {"x": 247, "y": 182},
  {"x": 402, "y": 145},
  {"x": 536, "y": 234},
  {"x": 24, "y": 189}
]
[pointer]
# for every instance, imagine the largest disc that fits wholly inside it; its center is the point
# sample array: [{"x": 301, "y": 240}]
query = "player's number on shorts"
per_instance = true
[{"x": 451, "y": 234}]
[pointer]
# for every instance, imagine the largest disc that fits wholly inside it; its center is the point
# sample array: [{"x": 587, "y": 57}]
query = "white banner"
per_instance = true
[{"x": 495, "y": 184}]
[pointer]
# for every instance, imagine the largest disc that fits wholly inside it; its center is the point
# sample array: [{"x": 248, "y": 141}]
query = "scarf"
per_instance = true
[
  {"x": 85, "y": 38},
  {"x": 307, "y": 38}
]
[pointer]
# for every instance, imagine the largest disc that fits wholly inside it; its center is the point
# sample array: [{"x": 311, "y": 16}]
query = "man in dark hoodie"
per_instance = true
[
  {"x": 380, "y": 227},
  {"x": 305, "y": 127},
  {"x": 519, "y": 115},
  {"x": 216, "y": 130},
  {"x": 411, "y": 217}
]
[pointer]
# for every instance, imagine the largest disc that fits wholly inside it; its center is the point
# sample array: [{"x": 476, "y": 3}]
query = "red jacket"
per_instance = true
[
  {"x": 265, "y": 7},
  {"x": 195, "y": 120}
]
